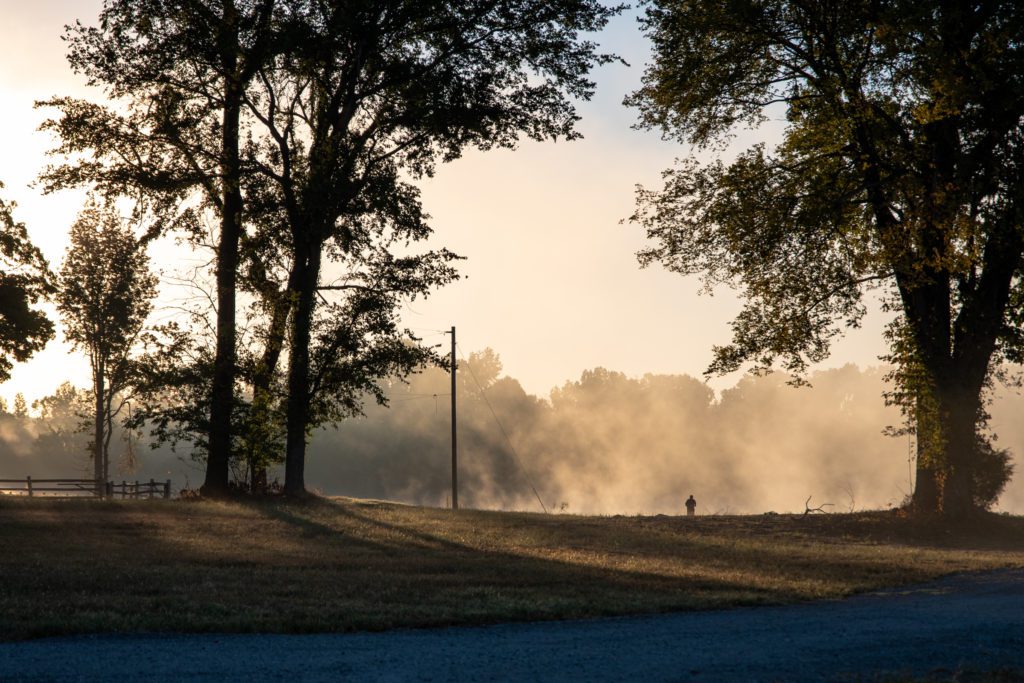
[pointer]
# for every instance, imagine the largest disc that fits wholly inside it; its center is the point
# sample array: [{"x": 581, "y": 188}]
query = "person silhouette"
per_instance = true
[{"x": 691, "y": 506}]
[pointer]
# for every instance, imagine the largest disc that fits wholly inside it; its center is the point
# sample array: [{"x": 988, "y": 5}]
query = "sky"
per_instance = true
[{"x": 550, "y": 279}]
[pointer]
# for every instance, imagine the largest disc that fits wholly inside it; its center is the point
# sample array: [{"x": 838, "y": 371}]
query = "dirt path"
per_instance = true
[{"x": 969, "y": 621}]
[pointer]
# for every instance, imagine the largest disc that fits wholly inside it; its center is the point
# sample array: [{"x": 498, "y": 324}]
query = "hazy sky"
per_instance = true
[{"x": 551, "y": 281}]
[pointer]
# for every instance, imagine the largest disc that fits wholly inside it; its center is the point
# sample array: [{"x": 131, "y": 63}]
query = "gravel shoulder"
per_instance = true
[{"x": 972, "y": 621}]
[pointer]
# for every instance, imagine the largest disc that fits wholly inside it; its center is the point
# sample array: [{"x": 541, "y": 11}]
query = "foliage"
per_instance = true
[
  {"x": 359, "y": 100},
  {"x": 174, "y": 375},
  {"x": 299, "y": 124},
  {"x": 899, "y": 168},
  {"x": 104, "y": 296},
  {"x": 179, "y": 70},
  {"x": 63, "y": 418},
  {"x": 24, "y": 281},
  {"x": 991, "y": 474},
  {"x": 20, "y": 407}
]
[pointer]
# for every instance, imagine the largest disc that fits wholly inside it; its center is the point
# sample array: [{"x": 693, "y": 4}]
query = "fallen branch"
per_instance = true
[{"x": 821, "y": 508}]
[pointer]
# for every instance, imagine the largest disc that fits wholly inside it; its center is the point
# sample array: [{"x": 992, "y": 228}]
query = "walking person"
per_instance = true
[{"x": 691, "y": 506}]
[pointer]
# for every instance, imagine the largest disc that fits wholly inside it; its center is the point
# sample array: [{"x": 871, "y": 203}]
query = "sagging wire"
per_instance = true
[
  {"x": 419, "y": 397},
  {"x": 515, "y": 454}
]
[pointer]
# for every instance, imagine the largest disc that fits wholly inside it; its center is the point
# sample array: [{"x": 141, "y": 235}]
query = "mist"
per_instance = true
[
  {"x": 611, "y": 444},
  {"x": 604, "y": 443}
]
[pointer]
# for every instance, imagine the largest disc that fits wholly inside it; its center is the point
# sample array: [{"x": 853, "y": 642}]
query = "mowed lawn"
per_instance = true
[{"x": 81, "y": 566}]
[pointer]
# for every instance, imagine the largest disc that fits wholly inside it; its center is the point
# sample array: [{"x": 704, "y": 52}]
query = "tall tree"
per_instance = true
[
  {"x": 104, "y": 296},
  {"x": 24, "y": 282},
  {"x": 180, "y": 69},
  {"x": 900, "y": 167},
  {"x": 371, "y": 94}
]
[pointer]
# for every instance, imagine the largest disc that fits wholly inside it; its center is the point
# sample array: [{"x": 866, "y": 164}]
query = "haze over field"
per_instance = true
[{"x": 604, "y": 444}]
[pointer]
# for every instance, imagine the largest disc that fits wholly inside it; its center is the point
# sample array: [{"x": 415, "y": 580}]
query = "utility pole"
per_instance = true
[{"x": 455, "y": 450}]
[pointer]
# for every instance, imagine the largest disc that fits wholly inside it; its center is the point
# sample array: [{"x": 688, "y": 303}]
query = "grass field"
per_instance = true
[{"x": 81, "y": 566}]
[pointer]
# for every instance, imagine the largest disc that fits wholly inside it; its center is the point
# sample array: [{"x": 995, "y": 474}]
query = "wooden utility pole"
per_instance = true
[{"x": 455, "y": 450}]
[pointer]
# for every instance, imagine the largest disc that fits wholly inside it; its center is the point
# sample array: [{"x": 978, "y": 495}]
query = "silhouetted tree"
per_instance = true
[
  {"x": 368, "y": 95},
  {"x": 344, "y": 101},
  {"x": 20, "y": 406},
  {"x": 24, "y": 282},
  {"x": 900, "y": 167},
  {"x": 104, "y": 295},
  {"x": 173, "y": 376},
  {"x": 180, "y": 70}
]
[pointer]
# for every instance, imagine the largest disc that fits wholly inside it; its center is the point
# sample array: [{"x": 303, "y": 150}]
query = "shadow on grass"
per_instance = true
[{"x": 326, "y": 565}]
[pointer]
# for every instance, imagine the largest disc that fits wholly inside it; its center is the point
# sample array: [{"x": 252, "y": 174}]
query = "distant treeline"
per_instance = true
[
  {"x": 606, "y": 443},
  {"x": 610, "y": 444}
]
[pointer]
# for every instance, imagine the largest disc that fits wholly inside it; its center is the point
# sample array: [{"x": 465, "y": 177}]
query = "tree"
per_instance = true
[
  {"x": 367, "y": 96},
  {"x": 104, "y": 296},
  {"x": 20, "y": 406},
  {"x": 180, "y": 69},
  {"x": 24, "y": 282},
  {"x": 899, "y": 168},
  {"x": 63, "y": 420}
]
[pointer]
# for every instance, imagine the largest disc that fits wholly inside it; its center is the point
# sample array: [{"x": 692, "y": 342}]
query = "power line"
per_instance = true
[
  {"x": 504, "y": 433},
  {"x": 405, "y": 399},
  {"x": 432, "y": 332}
]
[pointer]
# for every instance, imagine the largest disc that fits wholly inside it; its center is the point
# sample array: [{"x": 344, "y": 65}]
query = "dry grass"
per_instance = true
[{"x": 336, "y": 565}]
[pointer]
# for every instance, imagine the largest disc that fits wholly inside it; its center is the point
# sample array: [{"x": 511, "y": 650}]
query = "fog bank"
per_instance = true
[{"x": 602, "y": 444}]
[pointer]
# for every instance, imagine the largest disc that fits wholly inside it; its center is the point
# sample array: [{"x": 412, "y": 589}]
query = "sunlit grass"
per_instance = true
[{"x": 335, "y": 565}]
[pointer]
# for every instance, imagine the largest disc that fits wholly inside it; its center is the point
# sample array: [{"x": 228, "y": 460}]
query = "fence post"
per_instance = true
[
  {"x": 110, "y": 489},
  {"x": 29, "y": 480},
  {"x": 136, "y": 496},
  {"x": 152, "y": 488},
  {"x": 167, "y": 489},
  {"x": 124, "y": 489}
]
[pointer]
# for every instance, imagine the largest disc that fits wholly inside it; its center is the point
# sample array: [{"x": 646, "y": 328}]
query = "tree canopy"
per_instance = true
[
  {"x": 105, "y": 292},
  {"x": 302, "y": 127},
  {"x": 360, "y": 101},
  {"x": 899, "y": 169},
  {"x": 24, "y": 282}
]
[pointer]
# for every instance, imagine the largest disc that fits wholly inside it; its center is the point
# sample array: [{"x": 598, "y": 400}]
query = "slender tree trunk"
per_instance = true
[
  {"x": 98, "y": 430},
  {"x": 277, "y": 333},
  {"x": 307, "y": 263},
  {"x": 222, "y": 391},
  {"x": 108, "y": 423}
]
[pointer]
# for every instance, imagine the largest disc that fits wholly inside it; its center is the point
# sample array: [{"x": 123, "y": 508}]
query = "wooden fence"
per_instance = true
[
  {"x": 146, "y": 489},
  {"x": 84, "y": 488}
]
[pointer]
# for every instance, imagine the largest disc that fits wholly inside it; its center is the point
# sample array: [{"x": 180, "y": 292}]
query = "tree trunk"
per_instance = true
[
  {"x": 959, "y": 409},
  {"x": 223, "y": 389},
  {"x": 98, "y": 430},
  {"x": 307, "y": 264},
  {"x": 926, "y": 490},
  {"x": 926, "y": 486},
  {"x": 264, "y": 377}
]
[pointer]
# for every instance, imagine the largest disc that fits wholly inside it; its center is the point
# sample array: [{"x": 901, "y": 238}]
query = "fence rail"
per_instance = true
[
  {"x": 146, "y": 489},
  {"x": 85, "y": 488}
]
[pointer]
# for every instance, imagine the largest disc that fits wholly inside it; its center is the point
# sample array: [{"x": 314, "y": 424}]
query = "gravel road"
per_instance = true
[{"x": 971, "y": 621}]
